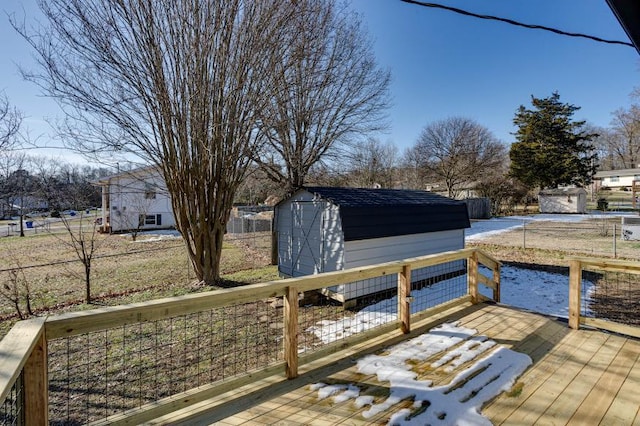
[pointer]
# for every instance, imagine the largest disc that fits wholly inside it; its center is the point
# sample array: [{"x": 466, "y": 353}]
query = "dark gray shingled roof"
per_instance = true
[{"x": 376, "y": 213}]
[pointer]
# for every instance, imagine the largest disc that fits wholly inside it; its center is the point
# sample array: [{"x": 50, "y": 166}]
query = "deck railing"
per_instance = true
[
  {"x": 604, "y": 294},
  {"x": 132, "y": 363}
]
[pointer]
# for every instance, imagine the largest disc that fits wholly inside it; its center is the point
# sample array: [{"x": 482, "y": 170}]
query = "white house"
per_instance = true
[
  {"x": 616, "y": 178},
  {"x": 322, "y": 229},
  {"x": 135, "y": 199}
]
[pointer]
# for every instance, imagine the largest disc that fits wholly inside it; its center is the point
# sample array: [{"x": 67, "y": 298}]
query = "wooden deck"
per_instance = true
[{"x": 577, "y": 377}]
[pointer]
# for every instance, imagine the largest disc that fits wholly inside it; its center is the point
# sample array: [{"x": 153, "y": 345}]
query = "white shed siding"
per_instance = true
[
  {"x": 311, "y": 240},
  {"x": 378, "y": 250},
  {"x": 369, "y": 252},
  {"x": 333, "y": 240},
  {"x": 563, "y": 204},
  {"x": 563, "y": 201}
]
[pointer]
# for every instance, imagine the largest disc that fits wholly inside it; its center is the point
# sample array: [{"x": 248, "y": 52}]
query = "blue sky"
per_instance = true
[{"x": 442, "y": 64}]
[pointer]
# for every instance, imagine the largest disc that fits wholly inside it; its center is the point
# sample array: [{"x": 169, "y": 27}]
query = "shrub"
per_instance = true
[{"x": 603, "y": 204}]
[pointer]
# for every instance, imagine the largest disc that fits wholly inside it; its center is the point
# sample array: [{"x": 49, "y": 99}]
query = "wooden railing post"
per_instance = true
[
  {"x": 472, "y": 276},
  {"x": 496, "y": 282},
  {"x": 291, "y": 332},
  {"x": 404, "y": 298},
  {"x": 36, "y": 385},
  {"x": 575, "y": 281}
]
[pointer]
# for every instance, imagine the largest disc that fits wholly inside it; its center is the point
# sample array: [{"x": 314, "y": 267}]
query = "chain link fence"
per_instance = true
[
  {"x": 252, "y": 227},
  {"x": 603, "y": 236}
]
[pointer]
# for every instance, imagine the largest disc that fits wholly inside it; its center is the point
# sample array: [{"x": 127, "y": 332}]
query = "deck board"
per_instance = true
[
  {"x": 624, "y": 408},
  {"x": 577, "y": 377},
  {"x": 575, "y": 392},
  {"x": 603, "y": 393}
]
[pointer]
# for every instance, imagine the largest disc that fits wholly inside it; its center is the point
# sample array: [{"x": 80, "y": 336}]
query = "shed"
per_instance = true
[
  {"x": 563, "y": 200},
  {"x": 323, "y": 229}
]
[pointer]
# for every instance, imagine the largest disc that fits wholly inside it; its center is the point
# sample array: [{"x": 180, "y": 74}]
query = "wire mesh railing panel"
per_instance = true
[
  {"x": 96, "y": 375},
  {"x": 12, "y": 408},
  {"x": 373, "y": 302},
  {"x": 434, "y": 285},
  {"x": 611, "y": 296}
]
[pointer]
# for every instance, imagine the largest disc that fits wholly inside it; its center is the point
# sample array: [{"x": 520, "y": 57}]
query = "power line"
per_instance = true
[{"x": 516, "y": 23}]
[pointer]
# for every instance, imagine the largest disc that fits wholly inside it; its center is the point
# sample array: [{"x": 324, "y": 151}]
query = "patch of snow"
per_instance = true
[
  {"x": 155, "y": 235},
  {"x": 466, "y": 352},
  {"x": 537, "y": 291},
  {"x": 457, "y": 403},
  {"x": 485, "y": 228},
  {"x": 534, "y": 290}
]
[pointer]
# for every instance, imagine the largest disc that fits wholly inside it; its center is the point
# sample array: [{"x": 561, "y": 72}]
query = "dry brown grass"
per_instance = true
[
  {"x": 553, "y": 242},
  {"x": 123, "y": 271}
]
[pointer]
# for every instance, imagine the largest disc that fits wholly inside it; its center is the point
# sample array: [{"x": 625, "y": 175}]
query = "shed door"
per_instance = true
[{"x": 307, "y": 237}]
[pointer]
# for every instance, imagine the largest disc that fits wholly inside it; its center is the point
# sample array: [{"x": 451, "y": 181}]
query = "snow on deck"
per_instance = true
[{"x": 456, "y": 403}]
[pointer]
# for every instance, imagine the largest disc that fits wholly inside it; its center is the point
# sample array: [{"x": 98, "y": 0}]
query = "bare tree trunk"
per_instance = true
[
  {"x": 179, "y": 84},
  {"x": 87, "y": 280}
]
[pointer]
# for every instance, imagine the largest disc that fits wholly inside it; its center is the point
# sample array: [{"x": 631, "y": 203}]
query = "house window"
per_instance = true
[
  {"x": 149, "y": 219},
  {"x": 615, "y": 178}
]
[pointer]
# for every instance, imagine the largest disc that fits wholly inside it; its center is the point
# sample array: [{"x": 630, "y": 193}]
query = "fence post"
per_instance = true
[
  {"x": 575, "y": 280},
  {"x": 36, "y": 384},
  {"x": 615, "y": 244},
  {"x": 291, "y": 332},
  {"x": 404, "y": 298},
  {"x": 274, "y": 241},
  {"x": 496, "y": 283},
  {"x": 472, "y": 276}
]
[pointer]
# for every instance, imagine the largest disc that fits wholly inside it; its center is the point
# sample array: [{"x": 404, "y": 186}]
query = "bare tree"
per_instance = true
[
  {"x": 624, "y": 140},
  {"x": 410, "y": 171},
  {"x": 372, "y": 164},
  {"x": 17, "y": 292},
  {"x": 177, "y": 84},
  {"x": 328, "y": 90},
  {"x": 81, "y": 236},
  {"x": 10, "y": 122},
  {"x": 10, "y": 163},
  {"x": 458, "y": 151}
]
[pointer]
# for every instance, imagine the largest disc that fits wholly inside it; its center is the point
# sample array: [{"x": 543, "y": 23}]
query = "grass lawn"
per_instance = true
[{"x": 123, "y": 271}]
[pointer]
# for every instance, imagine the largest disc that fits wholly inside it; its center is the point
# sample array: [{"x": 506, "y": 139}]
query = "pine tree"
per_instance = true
[{"x": 551, "y": 149}]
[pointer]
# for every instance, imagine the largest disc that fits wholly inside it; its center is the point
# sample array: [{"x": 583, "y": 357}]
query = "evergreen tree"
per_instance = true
[{"x": 551, "y": 149}]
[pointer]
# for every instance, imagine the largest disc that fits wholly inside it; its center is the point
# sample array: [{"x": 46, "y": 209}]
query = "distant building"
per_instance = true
[
  {"x": 563, "y": 200},
  {"x": 135, "y": 200},
  {"x": 615, "y": 179}
]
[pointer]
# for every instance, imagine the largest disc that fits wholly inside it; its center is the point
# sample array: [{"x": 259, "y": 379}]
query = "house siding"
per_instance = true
[{"x": 127, "y": 202}]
